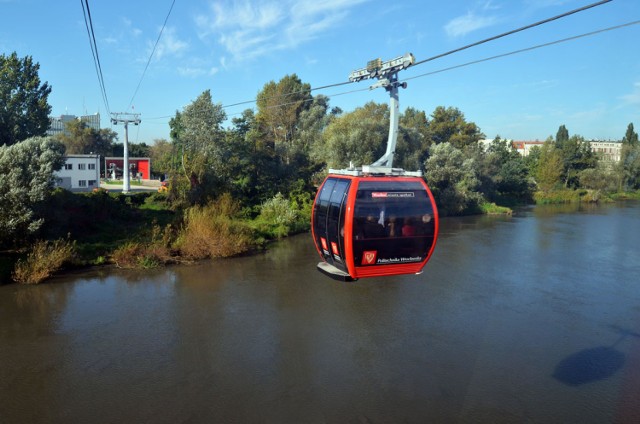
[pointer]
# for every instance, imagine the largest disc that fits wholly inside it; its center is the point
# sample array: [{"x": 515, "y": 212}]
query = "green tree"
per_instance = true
[
  {"x": 26, "y": 179},
  {"x": 413, "y": 140},
  {"x": 24, "y": 110},
  {"x": 630, "y": 137},
  {"x": 448, "y": 125},
  {"x": 359, "y": 137},
  {"x": 200, "y": 140},
  {"x": 503, "y": 172},
  {"x": 550, "y": 167},
  {"x": 628, "y": 169},
  {"x": 162, "y": 157},
  {"x": 82, "y": 139},
  {"x": 576, "y": 156},
  {"x": 453, "y": 180},
  {"x": 562, "y": 136},
  {"x": 279, "y": 107}
]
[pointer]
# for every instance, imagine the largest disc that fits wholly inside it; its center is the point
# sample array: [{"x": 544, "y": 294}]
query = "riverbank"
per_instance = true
[{"x": 141, "y": 230}]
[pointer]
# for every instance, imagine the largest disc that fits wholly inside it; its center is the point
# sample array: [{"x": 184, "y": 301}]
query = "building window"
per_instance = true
[
  {"x": 68, "y": 166},
  {"x": 92, "y": 166},
  {"x": 92, "y": 183},
  {"x": 82, "y": 183},
  {"x": 82, "y": 166}
]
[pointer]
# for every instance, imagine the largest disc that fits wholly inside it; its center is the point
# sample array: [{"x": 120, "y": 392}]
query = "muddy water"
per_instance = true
[{"x": 534, "y": 317}]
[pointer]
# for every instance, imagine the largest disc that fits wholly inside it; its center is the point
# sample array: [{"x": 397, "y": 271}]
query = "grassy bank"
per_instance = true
[{"x": 142, "y": 231}]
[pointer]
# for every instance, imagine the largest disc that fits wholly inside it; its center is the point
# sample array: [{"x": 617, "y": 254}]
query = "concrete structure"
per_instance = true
[
  {"x": 57, "y": 123},
  {"x": 139, "y": 168},
  {"x": 79, "y": 173},
  {"x": 607, "y": 151}
]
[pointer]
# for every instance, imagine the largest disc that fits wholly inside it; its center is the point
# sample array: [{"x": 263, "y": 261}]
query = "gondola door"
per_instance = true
[{"x": 329, "y": 216}]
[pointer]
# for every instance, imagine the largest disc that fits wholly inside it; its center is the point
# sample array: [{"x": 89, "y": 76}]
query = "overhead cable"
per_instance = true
[
  {"x": 504, "y": 34},
  {"x": 94, "y": 50},
  {"x": 151, "y": 55}
]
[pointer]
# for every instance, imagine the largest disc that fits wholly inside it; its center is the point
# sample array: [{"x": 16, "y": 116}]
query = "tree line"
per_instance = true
[{"x": 285, "y": 147}]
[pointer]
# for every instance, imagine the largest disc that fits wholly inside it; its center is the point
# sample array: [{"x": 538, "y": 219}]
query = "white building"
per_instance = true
[
  {"x": 79, "y": 173},
  {"x": 607, "y": 151}
]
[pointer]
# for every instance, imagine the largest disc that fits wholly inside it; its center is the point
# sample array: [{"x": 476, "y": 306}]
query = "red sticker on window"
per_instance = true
[{"x": 369, "y": 257}]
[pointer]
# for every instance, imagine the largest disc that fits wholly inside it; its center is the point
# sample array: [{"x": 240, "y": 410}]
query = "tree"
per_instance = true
[
  {"x": 200, "y": 139},
  {"x": 448, "y": 125},
  {"x": 279, "y": 107},
  {"x": 162, "y": 157},
  {"x": 81, "y": 139},
  {"x": 631, "y": 137},
  {"x": 576, "y": 156},
  {"x": 562, "y": 136},
  {"x": 550, "y": 167},
  {"x": 26, "y": 179},
  {"x": 502, "y": 171},
  {"x": 453, "y": 179},
  {"x": 413, "y": 140},
  {"x": 359, "y": 137},
  {"x": 24, "y": 110}
]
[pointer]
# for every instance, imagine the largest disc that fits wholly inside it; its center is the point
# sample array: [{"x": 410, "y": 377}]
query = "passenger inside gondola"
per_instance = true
[{"x": 373, "y": 229}]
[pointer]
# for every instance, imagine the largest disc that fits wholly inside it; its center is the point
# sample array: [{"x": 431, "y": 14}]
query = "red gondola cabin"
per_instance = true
[{"x": 368, "y": 226}]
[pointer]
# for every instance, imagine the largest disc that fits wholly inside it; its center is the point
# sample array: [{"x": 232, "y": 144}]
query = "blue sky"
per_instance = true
[{"x": 233, "y": 48}]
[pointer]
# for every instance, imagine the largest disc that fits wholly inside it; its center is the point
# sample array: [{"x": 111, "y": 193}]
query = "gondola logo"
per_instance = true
[{"x": 369, "y": 257}]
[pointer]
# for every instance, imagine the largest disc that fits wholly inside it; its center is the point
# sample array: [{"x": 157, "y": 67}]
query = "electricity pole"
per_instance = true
[{"x": 125, "y": 118}]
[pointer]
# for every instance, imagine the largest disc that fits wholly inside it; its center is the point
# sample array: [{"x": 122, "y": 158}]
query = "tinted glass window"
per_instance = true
[
  {"x": 329, "y": 220},
  {"x": 393, "y": 223}
]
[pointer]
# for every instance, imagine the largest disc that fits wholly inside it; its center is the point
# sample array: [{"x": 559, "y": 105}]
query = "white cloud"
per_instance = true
[
  {"x": 462, "y": 25},
  {"x": 250, "y": 29},
  {"x": 169, "y": 44},
  {"x": 634, "y": 96}
]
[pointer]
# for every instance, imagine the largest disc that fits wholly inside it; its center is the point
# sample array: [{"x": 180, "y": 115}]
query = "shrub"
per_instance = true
[
  {"x": 44, "y": 259},
  {"x": 211, "y": 231},
  {"x": 279, "y": 214},
  {"x": 139, "y": 255}
]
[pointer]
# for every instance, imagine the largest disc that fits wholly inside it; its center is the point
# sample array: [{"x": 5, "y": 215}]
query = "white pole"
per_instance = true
[{"x": 125, "y": 166}]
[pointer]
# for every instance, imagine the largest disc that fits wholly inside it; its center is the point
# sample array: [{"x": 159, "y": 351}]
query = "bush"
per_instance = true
[
  {"x": 138, "y": 255},
  {"x": 44, "y": 259},
  {"x": 212, "y": 232},
  {"x": 278, "y": 214}
]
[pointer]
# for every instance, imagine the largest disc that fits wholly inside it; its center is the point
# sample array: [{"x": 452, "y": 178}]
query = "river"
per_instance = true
[{"x": 528, "y": 318}]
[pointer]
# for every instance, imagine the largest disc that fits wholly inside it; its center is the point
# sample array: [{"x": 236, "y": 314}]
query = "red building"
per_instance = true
[{"x": 139, "y": 167}]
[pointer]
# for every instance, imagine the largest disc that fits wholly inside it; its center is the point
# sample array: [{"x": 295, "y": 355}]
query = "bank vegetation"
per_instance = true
[{"x": 234, "y": 185}]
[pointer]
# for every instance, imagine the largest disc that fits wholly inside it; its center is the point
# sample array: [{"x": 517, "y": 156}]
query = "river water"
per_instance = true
[{"x": 529, "y": 318}]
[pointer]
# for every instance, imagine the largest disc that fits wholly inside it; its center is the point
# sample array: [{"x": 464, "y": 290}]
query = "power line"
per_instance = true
[
  {"x": 504, "y": 34},
  {"x": 486, "y": 59},
  {"x": 544, "y": 21},
  {"x": 551, "y": 43},
  {"x": 94, "y": 50},
  {"x": 152, "y": 52},
  {"x": 457, "y": 50}
]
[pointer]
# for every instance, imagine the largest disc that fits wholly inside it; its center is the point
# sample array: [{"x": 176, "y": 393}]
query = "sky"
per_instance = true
[{"x": 233, "y": 48}]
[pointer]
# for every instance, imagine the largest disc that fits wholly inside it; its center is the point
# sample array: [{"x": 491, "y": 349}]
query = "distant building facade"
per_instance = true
[
  {"x": 138, "y": 168},
  {"x": 79, "y": 173},
  {"x": 57, "y": 123},
  {"x": 524, "y": 147},
  {"x": 607, "y": 151}
]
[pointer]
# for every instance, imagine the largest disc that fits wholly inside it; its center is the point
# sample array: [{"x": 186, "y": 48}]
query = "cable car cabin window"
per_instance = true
[
  {"x": 329, "y": 220},
  {"x": 393, "y": 223}
]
